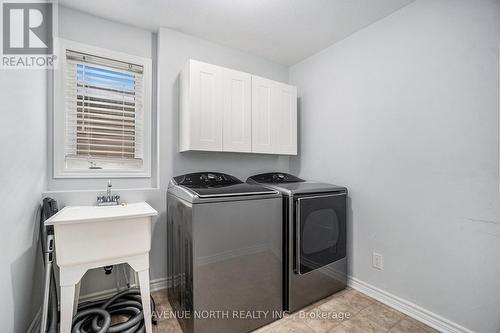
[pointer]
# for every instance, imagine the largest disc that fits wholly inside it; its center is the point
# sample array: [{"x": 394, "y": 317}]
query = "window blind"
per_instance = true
[{"x": 104, "y": 108}]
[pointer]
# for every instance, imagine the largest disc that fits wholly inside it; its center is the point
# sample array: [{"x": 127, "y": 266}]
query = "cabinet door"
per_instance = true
[
  {"x": 274, "y": 117},
  {"x": 284, "y": 119},
  {"x": 237, "y": 123},
  {"x": 206, "y": 97},
  {"x": 262, "y": 108}
]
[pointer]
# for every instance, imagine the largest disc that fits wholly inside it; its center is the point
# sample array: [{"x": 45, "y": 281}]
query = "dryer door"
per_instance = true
[{"x": 320, "y": 231}]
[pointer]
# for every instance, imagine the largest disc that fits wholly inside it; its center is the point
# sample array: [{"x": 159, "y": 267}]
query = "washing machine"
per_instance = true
[
  {"x": 314, "y": 237},
  {"x": 224, "y": 253}
]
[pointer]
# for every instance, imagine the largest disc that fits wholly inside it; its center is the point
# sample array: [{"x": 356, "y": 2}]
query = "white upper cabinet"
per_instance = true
[
  {"x": 263, "y": 105},
  {"x": 237, "y": 124},
  {"x": 226, "y": 110},
  {"x": 201, "y": 107},
  {"x": 274, "y": 117},
  {"x": 285, "y": 119}
]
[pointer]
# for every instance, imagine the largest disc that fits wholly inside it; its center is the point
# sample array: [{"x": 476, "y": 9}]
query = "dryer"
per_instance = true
[{"x": 314, "y": 237}]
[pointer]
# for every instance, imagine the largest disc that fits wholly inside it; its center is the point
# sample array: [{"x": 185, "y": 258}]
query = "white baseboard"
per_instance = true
[
  {"x": 160, "y": 283},
  {"x": 425, "y": 316},
  {"x": 155, "y": 284}
]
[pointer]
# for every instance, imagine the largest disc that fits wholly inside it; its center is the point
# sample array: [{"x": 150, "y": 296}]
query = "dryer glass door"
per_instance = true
[{"x": 320, "y": 231}]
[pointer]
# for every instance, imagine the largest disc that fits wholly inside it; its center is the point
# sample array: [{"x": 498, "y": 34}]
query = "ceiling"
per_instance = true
[{"x": 284, "y": 31}]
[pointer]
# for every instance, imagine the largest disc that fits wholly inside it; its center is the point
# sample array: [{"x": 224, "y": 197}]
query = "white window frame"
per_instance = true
[{"x": 110, "y": 168}]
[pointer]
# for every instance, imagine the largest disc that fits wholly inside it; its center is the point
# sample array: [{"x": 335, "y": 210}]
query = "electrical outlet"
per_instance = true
[{"x": 378, "y": 261}]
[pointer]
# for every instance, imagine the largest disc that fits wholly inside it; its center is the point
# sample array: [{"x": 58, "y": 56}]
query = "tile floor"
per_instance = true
[{"x": 347, "y": 311}]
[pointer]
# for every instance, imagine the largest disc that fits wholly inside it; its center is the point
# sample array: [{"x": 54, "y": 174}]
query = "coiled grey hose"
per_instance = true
[{"x": 95, "y": 317}]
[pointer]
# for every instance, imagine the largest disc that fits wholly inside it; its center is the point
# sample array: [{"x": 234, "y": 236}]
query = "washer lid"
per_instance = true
[
  {"x": 292, "y": 185},
  {"x": 276, "y": 178},
  {"x": 215, "y": 184}
]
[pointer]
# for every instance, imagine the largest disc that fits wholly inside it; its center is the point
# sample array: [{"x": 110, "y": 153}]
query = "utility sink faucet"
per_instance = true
[{"x": 108, "y": 199}]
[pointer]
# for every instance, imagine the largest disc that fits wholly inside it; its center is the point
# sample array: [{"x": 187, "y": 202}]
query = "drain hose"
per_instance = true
[
  {"x": 48, "y": 209},
  {"x": 95, "y": 317}
]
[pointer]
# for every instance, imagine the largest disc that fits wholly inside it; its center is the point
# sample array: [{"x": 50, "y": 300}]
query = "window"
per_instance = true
[{"x": 102, "y": 115}]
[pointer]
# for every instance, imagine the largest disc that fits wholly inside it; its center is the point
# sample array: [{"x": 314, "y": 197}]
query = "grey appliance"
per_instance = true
[
  {"x": 224, "y": 252},
  {"x": 314, "y": 238}
]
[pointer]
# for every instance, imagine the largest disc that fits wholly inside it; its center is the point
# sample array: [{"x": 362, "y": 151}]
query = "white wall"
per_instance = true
[
  {"x": 100, "y": 32},
  {"x": 405, "y": 114},
  {"x": 23, "y": 127},
  {"x": 169, "y": 50}
]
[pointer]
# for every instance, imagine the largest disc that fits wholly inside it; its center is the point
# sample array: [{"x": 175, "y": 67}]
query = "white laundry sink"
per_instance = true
[
  {"x": 97, "y": 234},
  {"x": 88, "y": 237}
]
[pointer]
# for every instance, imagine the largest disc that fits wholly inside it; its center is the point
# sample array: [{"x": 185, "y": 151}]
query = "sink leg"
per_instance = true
[
  {"x": 145, "y": 297},
  {"x": 77, "y": 297},
  {"x": 67, "y": 303}
]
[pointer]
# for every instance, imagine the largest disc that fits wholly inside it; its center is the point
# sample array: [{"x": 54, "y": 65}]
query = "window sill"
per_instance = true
[
  {"x": 100, "y": 173},
  {"x": 93, "y": 191}
]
